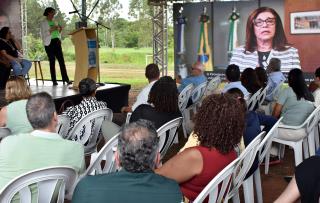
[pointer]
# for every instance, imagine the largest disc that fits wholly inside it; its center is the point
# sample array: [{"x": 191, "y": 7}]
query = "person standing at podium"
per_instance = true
[{"x": 50, "y": 32}]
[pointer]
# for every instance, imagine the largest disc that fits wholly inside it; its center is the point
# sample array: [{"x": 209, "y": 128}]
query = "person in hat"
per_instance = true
[{"x": 197, "y": 77}]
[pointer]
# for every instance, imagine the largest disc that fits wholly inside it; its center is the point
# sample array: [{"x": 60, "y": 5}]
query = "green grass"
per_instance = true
[{"x": 113, "y": 73}]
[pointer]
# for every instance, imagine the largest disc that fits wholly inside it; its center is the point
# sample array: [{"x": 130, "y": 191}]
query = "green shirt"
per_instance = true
[
  {"x": 17, "y": 120},
  {"x": 294, "y": 111},
  {"x": 123, "y": 187},
  {"x": 55, "y": 33},
  {"x": 26, "y": 152}
]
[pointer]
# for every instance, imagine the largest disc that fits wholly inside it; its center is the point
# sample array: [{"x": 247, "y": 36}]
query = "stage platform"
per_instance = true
[{"x": 115, "y": 94}]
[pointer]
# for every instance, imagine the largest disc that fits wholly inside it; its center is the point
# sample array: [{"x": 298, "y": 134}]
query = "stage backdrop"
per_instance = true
[
  {"x": 10, "y": 15},
  {"x": 218, "y": 28}
]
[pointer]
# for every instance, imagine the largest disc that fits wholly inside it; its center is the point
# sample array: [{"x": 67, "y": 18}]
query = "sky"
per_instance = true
[{"x": 66, "y": 6}]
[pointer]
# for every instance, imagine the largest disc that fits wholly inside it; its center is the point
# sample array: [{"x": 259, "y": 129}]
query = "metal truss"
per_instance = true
[
  {"x": 160, "y": 35},
  {"x": 23, "y": 5}
]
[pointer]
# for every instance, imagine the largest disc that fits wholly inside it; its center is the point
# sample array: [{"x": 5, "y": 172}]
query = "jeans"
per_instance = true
[{"x": 21, "y": 68}]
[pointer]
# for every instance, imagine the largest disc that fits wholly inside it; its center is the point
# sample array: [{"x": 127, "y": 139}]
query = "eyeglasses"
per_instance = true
[{"x": 268, "y": 21}]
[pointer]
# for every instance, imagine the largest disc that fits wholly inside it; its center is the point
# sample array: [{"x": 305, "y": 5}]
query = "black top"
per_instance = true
[
  {"x": 308, "y": 179},
  {"x": 9, "y": 47},
  {"x": 263, "y": 57},
  {"x": 146, "y": 111}
]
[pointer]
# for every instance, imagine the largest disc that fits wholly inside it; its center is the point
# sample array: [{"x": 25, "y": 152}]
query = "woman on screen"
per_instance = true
[{"x": 265, "y": 39}]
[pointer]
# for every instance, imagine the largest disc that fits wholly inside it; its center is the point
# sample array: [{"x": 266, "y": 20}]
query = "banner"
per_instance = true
[
  {"x": 182, "y": 68},
  {"x": 204, "y": 51},
  {"x": 233, "y": 32}
]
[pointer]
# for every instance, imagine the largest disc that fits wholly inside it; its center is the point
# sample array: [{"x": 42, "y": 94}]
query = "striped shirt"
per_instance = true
[{"x": 289, "y": 58}]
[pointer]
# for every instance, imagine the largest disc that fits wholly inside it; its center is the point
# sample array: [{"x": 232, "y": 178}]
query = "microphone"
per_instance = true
[{"x": 73, "y": 12}]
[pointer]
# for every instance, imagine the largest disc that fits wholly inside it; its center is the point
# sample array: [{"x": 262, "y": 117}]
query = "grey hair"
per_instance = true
[
  {"x": 138, "y": 146},
  {"x": 40, "y": 110}
]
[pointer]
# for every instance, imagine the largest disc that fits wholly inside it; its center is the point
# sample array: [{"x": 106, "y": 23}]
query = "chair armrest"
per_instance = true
[{"x": 291, "y": 126}]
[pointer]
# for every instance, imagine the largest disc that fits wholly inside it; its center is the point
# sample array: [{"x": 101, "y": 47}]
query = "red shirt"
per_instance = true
[{"x": 213, "y": 163}]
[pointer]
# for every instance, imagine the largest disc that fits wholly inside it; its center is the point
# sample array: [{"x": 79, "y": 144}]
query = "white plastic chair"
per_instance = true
[
  {"x": 128, "y": 117},
  {"x": 105, "y": 154},
  {"x": 167, "y": 133},
  {"x": 309, "y": 125},
  {"x": 246, "y": 160},
  {"x": 90, "y": 137},
  {"x": 63, "y": 125},
  {"x": 4, "y": 132},
  {"x": 197, "y": 92},
  {"x": 263, "y": 149},
  {"x": 46, "y": 180},
  {"x": 184, "y": 97},
  {"x": 212, "y": 85},
  {"x": 252, "y": 101},
  {"x": 262, "y": 96},
  {"x": 218, "y": 186}
]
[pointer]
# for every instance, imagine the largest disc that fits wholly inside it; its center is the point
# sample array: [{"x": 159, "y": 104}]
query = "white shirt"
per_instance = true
[
  {"x": 143, "y": 96},
  {"x": 45, "y": 32}
]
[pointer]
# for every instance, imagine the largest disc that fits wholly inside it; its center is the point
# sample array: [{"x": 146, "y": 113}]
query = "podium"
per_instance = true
[{"x": 86, "y": 54}]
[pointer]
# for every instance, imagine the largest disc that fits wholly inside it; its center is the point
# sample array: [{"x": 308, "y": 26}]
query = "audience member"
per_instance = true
[
  {"x": 14, "y": 115},
  {"x": 197, "y": 77},
  {"x": 11, "y": 50},
  {"x": 294, "y": 104},
  {"x": 316, "y": 92},
  {"x": 275, "y": 77},
  {"x": 233, "y": 77},
  {"x": 250, "y": 81},
  {"x": 254, "y": 121},
  {"x": 163, "y": 103},
  {"x": 262, "y": 76},
  {"x": 137, "y": 155},
  {"x": 152, "y": 74},
  {"x": 305, "y": 185},
  {"x": 42, "y": 147},
  {"x": 219, "y": 126},
  {"x": 89, "y": 103}
]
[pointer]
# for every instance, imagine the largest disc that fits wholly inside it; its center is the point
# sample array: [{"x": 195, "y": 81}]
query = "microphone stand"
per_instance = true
[{"x": 98, "y": 45}]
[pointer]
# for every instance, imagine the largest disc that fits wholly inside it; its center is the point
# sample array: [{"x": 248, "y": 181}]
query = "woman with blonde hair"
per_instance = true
[{"x": 14, "y": 115}]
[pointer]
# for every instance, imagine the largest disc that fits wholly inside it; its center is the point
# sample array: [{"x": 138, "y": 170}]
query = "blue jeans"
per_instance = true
[{"x": 21, "y": 68}]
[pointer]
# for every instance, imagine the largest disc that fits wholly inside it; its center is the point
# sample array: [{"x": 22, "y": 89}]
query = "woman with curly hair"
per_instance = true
[
  {"x": 219, "y": 125},
  {"x": 163, "y": 103},
  {"x": 14, "y": 115}
]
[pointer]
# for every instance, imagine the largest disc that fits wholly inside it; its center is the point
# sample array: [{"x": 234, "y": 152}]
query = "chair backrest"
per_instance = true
[
  {"x": 4, "y": 132},
  {"x": 262, "y": 96},
  {"x": 87, "y": 130},
  {"x": 246, "y": 160},
  {"x": 105, "y": 154},
  {"x": 184, "y": 97},
  {"x": 128, "y": 117},
  {"x": 219, "y": 186},
  {"x": 251, "y": 102},
  {"x": 46, "y": 180},
  {"x": 265, "y": 145},
  {"x": 212, "y": 85},
  {"x": 198, "y": 92},
  {"x": 312, "y": 119},
  {"x": 167, "y": 133},
  {"x": 63, "y": 125}
]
